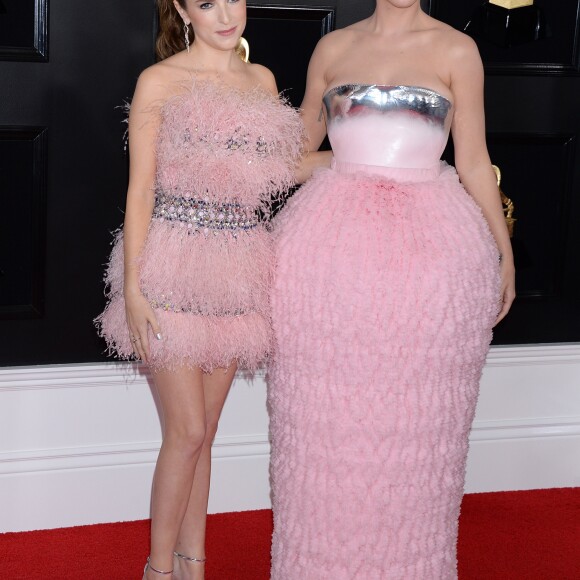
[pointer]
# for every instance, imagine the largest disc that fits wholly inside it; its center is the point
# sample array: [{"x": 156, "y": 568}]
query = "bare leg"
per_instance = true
[
  {"x": 184, "y": 430},
  {"x": 191, "y": 539}
]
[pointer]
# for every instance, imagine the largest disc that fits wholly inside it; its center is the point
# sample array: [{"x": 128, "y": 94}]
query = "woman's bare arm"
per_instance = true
[
  {"x": 316, "y": 83},
  {"x": 471, "y": 157},
  {"x": 311, "y": 109},
  {"x": 143, "y": 129}
]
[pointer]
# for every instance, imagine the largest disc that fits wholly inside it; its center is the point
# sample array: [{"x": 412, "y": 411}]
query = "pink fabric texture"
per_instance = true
[
  {"x": 384, "y": 298},
  {"x": 222, "y": 146}
]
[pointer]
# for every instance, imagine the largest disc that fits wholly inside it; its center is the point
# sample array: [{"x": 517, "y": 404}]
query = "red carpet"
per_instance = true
[{"x": 532, "y": 535}]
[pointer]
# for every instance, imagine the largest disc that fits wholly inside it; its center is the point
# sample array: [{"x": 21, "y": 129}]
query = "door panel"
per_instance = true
[
  {"x": 283, "y": 38},
  {"x": 63, "y": 172},
  {"x": 23, "y": 165}
]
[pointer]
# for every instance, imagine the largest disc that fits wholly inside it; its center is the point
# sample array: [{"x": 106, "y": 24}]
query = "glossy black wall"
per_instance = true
[
  {"x": 532, "y": 91},
  {"x": 63, "y": 170}
]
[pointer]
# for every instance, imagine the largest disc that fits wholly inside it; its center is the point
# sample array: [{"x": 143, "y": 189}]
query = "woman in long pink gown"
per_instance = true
[{"x": 391, "y": 274}]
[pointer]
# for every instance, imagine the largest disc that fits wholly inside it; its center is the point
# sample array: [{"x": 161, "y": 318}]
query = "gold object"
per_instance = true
[
  {"x": 508, "y": 204},
  {"x": 509, "y": 4},
  {"x": 243, "y": 49}
]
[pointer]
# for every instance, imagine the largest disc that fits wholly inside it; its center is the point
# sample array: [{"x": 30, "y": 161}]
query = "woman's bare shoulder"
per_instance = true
[
  {"x": 161, "y": 75},
  {"x": 263, "y": 76},
  {"x": 336, "y": 39},
  {"x": 330, "y": 47},
  {"x": 165, "y": 79},
  {"x": 451, "y": 40}
]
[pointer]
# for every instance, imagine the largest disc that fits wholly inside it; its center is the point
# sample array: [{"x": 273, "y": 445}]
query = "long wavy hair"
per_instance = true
[{"x": 171, "y": 37}]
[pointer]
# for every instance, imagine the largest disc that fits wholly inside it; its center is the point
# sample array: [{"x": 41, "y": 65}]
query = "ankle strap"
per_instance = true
[
  {"x": 150, "y": 567},
  {"x": 198, "y": 560}
]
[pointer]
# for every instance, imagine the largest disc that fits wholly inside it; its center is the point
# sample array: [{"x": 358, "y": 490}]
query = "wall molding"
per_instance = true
[
  {"x": 77, "y": 376},
  {"x": 78, "y": 443},
  {"x": 540, "y": 354},
  {"x": 524, "y": 429},
  {"x": 70, "y": 376},
  {"x": 114, "y": 373},
  {"x": 67, "y": 458}
]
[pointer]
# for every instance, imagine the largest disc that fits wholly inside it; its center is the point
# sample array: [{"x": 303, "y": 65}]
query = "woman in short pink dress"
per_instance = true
[{"x": 189, "y": 277}]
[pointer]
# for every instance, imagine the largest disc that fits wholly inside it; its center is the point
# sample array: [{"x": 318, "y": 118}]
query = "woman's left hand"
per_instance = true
[{"x": 508, "y": 288}]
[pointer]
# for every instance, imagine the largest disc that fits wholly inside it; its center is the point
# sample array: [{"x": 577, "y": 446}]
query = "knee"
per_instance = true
[{"x": 186, "y": 439}]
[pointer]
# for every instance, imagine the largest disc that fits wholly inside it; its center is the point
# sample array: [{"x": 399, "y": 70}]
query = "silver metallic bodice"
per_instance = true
[{"x": 392, "y": 126}]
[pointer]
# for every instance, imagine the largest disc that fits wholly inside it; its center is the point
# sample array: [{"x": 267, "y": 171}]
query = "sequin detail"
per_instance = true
[
  {"x": 166, "y": 303},
  {"x": 239, "y": 140},
  {"x": 197, "y": 214}
]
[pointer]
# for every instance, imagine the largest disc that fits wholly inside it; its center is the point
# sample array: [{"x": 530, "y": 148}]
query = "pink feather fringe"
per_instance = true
[{"x": 221, "y": 145}]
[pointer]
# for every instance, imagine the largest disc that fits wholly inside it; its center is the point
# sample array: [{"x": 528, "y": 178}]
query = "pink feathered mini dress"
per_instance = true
[{"x": 206, "y": 266}]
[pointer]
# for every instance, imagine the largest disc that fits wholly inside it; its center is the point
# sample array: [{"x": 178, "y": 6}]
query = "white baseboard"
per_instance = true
[
  {"x": 78, "y": 443},
  {"x": 526, "y": 433}
]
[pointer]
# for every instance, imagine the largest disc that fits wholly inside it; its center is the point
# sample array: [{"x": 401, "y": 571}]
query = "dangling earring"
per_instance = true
[{"x": 186, "y": 32}]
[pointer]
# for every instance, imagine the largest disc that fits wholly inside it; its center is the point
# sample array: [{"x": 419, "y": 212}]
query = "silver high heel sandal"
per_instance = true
[
  {"x": 197, "y": 560},
  {"x": 148, "y": 566}
]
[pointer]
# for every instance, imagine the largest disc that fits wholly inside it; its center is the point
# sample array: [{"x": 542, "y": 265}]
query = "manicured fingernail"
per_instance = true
[{"x": 158, "y": 336}]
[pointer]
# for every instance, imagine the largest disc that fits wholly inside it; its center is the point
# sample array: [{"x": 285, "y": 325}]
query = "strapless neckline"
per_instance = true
[
  {"x": 403, "y": 126},
  {"x": 381, "y": 86}
]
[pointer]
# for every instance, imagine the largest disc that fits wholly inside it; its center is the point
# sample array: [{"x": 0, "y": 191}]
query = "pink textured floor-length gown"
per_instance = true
[
  {"x": 386, "y": 291},
  {"x": 206, "y": 267}
]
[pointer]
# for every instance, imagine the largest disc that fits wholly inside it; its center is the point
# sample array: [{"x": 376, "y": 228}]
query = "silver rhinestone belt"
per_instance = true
[
  {"x": 166, "y": 303},
  {"x": 197, "y": 214}
]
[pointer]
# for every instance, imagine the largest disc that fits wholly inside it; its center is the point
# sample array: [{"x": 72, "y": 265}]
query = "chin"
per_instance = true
[
  {"x": 400, "y": 3},
  {"x": 229, "y": 43}
]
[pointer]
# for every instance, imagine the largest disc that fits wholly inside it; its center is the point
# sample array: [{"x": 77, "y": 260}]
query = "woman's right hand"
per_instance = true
[{"x": 139, "y": 316}]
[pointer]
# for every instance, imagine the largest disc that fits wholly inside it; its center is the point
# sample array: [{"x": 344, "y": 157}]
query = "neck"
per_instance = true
[
  {"x": 211, "y": 59},
  {"x": 388, "y": 19}
]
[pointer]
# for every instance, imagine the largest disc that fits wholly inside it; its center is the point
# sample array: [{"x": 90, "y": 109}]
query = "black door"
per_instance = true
[
  {"x": 532, "y": 95},
  {"x": 63, "y": 169},
  {"x": 62, "y": 166}
]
